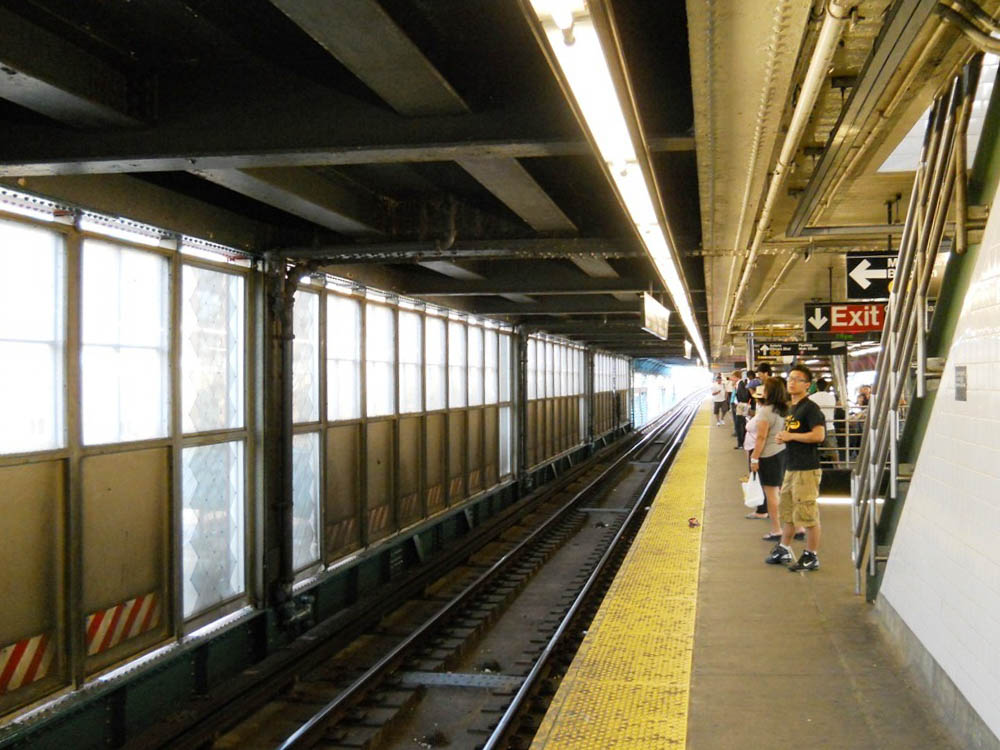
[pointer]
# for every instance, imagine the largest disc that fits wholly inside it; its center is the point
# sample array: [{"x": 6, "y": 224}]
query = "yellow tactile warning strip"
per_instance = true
[{"x": 628, "y": 685}]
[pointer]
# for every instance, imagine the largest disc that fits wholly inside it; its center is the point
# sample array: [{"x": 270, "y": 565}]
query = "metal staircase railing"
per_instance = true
[{"x": 901, "y": 369}]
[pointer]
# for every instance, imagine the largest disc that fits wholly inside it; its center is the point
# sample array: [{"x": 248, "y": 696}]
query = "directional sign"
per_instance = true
[
  {"x": 870, "y": 275},
  {"x": 827, "y": 319},
  {"x": 770, "y": 349},
  {"x": 776, "y": 349}
]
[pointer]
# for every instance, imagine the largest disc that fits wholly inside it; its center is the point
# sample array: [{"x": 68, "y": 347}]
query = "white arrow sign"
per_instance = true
[
  {"x": 818, "y": 318},
  {"x": 765, "y": 350},
  {"x": 863, "y": 272}
]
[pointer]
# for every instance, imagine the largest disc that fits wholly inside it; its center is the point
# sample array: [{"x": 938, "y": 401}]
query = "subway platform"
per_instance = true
[{"x": 699, "y": 644}]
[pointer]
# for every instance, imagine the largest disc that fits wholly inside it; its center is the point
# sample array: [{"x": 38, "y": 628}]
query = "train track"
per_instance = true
[{"x": 468, "y": 659}]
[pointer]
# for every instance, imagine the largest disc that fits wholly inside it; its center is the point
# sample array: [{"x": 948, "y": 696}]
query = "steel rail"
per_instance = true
[
  {"x": 505, "y": 724},
  {"x": 312, "y": 729}
]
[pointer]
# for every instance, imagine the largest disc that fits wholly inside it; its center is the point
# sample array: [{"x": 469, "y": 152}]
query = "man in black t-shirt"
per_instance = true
[{"x": 805, "y": 431}]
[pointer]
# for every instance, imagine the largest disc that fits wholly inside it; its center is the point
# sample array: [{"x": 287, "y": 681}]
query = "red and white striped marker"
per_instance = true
[
  {"x": 25, "y": 662},
  {"x": 109, "y": 627}
]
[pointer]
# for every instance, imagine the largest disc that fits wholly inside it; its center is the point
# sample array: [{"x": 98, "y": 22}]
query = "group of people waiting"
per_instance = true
[{"x": 781, "y": 426}]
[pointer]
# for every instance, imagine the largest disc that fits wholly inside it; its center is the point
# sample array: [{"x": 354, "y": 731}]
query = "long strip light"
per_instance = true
[{"x": 576, "y": 46}]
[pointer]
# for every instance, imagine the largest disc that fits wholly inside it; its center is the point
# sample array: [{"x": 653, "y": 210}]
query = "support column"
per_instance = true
[{"x": 278, "y": 566}]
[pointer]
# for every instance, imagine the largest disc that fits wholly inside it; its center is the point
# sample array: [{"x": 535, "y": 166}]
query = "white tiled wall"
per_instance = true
[{"x": 943, "y": 575}]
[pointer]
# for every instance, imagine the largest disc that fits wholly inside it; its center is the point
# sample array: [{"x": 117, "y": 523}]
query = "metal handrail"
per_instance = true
[{"x": 903, "y": 341}]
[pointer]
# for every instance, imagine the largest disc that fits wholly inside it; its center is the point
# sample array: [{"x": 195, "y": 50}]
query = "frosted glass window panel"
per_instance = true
[
  {"x": 380, "y": 353},
  {"x": 549, "y": 370},
  {"x": 343, "y": 352},
  {"x": 492, "y": 384},
  {"x": 305, "y": 357},
  {"x": 532, "y": 370},
  {"x": 505, "y": 441},
  {"x": 563, "y": 385},
  {"x": 32, "y": 378},
  {"x": 124, "y": 353},
  {"x": 505, "y": 373},
  {"x": 411, "y": 347},
  {"x": 457, "y": 365},
  {"x": 31, "y": 312},
  {"x": 475, "y": 366},
  {"x": 305, "y": 499},
  {"x": 213, "y": 526},
  {"x": 212, "y": 350},
  {"x": 436, "y": 363}
]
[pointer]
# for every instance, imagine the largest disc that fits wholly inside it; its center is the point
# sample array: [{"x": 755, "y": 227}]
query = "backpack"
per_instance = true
[{"x": 742, "y": 392}]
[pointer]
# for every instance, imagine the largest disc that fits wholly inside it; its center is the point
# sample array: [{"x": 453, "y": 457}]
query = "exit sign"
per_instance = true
[{"x": 836, "y": 318}]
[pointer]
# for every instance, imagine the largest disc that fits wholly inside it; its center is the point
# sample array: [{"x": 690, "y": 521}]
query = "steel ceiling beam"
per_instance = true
[
  {"x": 339, "y": 131},
  {"x": 457, "y": 271},
  {"x": 562, "y": 305},
  {"x": 583, "y": 249},
  {"x": 549, "y": 286},
  {"x": 366, "y": 40},
  {"x": 160, "y": 149},
  {"x": 304, "y": 194},
  {"x": 122, "y": 195},
  {"x": 51, "y": 76}
]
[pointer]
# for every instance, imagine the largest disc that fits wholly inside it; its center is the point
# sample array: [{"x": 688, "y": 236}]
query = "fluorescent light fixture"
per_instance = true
[
  {"x": 865, "y": 350},
  {"x": 576, "y": 46}
]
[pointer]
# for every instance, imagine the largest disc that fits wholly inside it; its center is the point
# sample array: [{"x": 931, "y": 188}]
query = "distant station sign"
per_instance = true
[
  {"x": 771, "y": 349},
  {"x": 870, "y": 275},
  {"x": 825, "y": 320},
  {"x": 655, "y": 317}
]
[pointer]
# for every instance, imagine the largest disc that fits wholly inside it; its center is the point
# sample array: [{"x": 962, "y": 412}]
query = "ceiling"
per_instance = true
[{"x": 426, "y": 147}]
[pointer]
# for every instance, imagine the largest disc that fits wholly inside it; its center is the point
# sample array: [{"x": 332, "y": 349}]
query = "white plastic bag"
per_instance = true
[{"x": 753, "y": 495}]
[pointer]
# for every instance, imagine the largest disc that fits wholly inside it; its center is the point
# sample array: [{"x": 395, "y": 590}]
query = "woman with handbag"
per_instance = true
[{"x": 767, "y": 457}]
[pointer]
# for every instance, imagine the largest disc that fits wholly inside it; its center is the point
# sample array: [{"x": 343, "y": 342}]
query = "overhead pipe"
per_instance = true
[
  {"x": 837, "y": 14},
  {"x": 978, "y": 37},
  {"x": 777, "y": 281}
]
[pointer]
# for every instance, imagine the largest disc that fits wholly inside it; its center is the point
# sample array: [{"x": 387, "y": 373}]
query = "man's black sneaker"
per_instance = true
[
  {"x": 808, "y": 561},
  {"x": 779, "y": 556}
]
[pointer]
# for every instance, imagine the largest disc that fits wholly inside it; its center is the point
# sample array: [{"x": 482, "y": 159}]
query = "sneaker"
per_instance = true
[
  {"x": 779, "y": 556},
  {"x": 808, "y": 561}
]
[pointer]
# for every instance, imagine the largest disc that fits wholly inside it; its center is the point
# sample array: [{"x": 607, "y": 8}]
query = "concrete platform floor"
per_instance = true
[{"x": 791, "y": 660}]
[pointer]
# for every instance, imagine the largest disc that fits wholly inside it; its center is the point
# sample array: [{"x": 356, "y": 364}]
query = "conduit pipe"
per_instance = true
[
  {"x": 836, "y": 15},
  {"x": 777, "y": 281}
]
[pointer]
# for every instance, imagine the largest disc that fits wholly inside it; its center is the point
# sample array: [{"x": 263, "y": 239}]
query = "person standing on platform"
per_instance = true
[
  {"x": 823, "y": 398},
  {"x": 743, "y": 401},
  {"x": 734, "y": 379},
  {"x": 768, "y": 456},
  {"x": 805, "y": 429},
  {"x": 719, "y": 399},
  {"x": 756, "y": 385}
]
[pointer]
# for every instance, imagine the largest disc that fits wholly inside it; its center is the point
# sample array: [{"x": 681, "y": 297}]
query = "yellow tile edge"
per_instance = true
[{"x": 629, "y": 684}]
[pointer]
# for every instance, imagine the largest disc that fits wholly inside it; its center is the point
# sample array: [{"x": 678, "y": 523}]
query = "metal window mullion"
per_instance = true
[
  {"x": 249, "y": 428},
  {"x": 72, "y": 615},
  {"x": 363, "y": 426},
  {"x": 422, "y": 449},
  {"x": 394, "y": 492},
  {"x": 467, "y": 410},
  {"x": 175, "y": 561},
  {"x": 446, "y": 457},
  {"x": 323, "y": 385}
]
